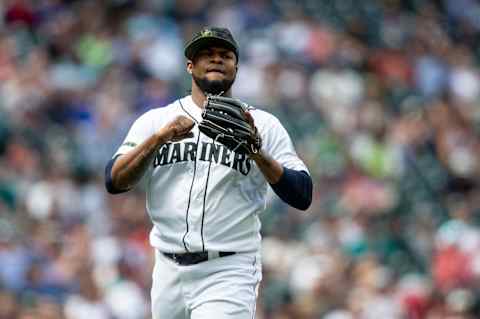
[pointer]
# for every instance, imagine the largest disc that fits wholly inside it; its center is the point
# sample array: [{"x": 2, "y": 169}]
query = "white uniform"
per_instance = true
[{"x": 203, "y": 197}]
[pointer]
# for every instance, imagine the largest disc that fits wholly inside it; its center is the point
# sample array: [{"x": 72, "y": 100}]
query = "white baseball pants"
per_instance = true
[{"x": 220, "y": 288}]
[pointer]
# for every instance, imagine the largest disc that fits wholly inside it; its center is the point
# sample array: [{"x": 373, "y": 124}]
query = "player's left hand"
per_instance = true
[
  {"x": 250, "y": 120},
  {"x": 256, "y": 134}
]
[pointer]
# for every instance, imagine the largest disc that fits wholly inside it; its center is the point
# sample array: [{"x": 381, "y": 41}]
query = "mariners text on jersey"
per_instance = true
[{"x": 172, "y": 153}]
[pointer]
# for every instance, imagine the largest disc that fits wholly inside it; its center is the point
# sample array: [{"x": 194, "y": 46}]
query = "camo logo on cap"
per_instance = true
[{"x": 207, "y": 33}]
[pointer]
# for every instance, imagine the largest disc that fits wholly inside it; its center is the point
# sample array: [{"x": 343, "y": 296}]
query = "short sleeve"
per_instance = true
[
  {"x": 278, "y": 144},
  {"x": 141, "y": 129}
]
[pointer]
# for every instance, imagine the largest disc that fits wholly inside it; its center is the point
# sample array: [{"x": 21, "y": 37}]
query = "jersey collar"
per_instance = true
[{"x": 191, "y": 108}]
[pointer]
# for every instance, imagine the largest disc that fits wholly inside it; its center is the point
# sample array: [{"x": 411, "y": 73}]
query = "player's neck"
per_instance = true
[{"x": 199, "y": 97}]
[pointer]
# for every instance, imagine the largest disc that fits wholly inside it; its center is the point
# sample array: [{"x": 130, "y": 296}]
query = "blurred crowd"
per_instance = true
[{"x": 381, "y": 98}]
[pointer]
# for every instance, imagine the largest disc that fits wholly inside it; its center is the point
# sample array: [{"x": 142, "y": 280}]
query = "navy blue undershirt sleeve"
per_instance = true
[
  {"x": 108, "y": 178},
  {"x": 294, "y": 188}
]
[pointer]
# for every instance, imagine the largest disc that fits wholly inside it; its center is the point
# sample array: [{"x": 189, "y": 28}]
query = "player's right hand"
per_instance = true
[{"x": 178, "y": 129}]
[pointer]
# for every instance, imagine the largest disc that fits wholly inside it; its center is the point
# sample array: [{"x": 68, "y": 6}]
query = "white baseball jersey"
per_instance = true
[{"x": 200, "y": 195}]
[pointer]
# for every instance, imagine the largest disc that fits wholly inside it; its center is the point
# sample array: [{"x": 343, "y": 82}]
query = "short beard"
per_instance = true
[{"x": 215, "y": 87}]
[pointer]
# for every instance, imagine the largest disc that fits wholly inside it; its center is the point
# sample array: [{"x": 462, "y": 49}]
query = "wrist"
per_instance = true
[
  {"x": 256, "y": 157},
  {"x": 162, "y": 136},
  {"x": 259, "y": 156}
]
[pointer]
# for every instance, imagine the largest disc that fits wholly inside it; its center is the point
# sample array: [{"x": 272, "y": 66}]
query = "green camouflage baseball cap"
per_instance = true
[{"x": 211, "y": 36}]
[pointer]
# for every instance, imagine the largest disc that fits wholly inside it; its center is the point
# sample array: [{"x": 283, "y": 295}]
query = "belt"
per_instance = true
[{"x": 186, "y": 259}]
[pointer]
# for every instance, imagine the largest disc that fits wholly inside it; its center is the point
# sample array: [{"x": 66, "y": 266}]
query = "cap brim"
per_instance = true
[{"x": 192, "y": 48}]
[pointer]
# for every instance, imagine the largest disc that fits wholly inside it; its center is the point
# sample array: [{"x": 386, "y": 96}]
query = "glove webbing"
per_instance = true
[{"x": 221, "y": 134}]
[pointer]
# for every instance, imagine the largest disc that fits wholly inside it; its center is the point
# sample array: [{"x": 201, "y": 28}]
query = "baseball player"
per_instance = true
[{"x": 203, "y": 195}]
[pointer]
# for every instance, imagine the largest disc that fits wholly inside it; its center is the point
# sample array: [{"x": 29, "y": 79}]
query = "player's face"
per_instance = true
[{"x": 214, "y": 69}]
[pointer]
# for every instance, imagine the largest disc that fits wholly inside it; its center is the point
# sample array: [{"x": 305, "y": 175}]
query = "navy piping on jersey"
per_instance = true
[
  {"x": 294, "y": 188},
  {"x": 204, "y": 201},
  {"x": 204, "y": 193},
  {"x": 108, "y": 178},
  {"x": 191, "y": 186}
]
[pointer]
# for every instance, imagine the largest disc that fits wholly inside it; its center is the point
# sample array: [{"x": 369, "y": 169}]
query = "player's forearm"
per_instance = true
[
  {"x": 124, "y": 172},
  {"x": 129, "y": 168},
  {"x": 270, "y": 168},
  {"x": 293, "y": 187}
]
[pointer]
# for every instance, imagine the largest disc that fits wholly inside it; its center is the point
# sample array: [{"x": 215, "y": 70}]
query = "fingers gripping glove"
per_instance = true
[{"x": 224, "y": 120}]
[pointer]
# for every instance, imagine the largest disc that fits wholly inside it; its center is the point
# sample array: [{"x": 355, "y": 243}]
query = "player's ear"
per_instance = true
[{"x": 189, "y": 66}]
